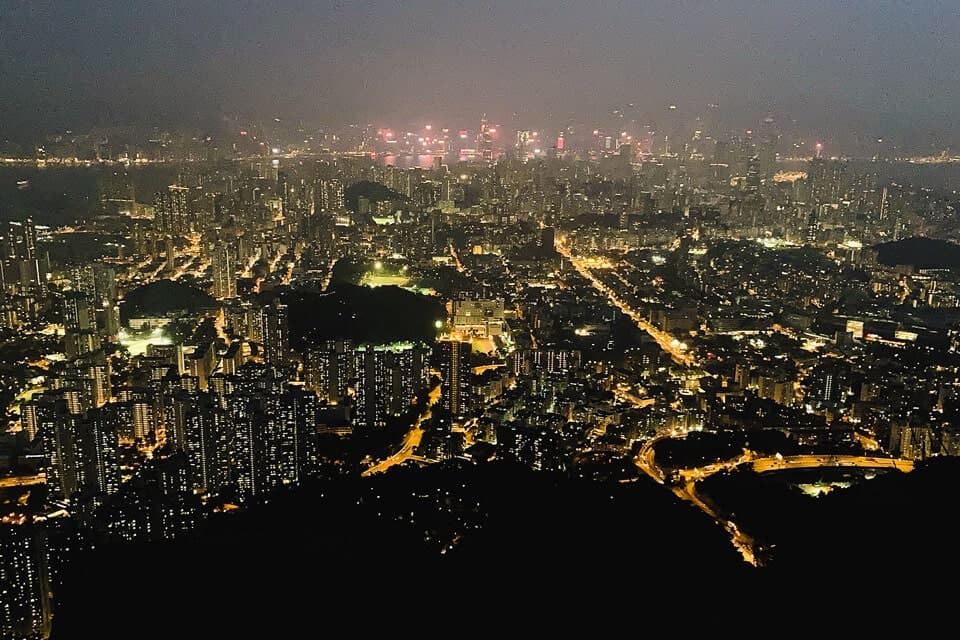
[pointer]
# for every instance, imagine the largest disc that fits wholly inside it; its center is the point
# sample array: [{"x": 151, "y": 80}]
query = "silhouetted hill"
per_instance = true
[
  {"x": 364, "y": 314},
  {"x": 430, "y": 549},
  {"x": 896, "y": 526},
  {"x": 922, "y": 253},
  {"x": 162, "y": 297},
  {"x": 372, "y": 191},
  {"x": 360, "y": 553}
]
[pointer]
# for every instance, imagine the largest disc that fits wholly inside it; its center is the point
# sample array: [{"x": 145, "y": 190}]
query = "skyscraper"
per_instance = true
[
  {"x": 24, "y": 583},
  {"x": 388, "y": 378},
  {"x": 331, "y": 195},
  {"x": 83, "y": 453},
  {"x": 455, "y": 372},
  {"x": 485, "y": 139},
  {"x": 548, "y": 239},
  {"x": 271, "y": 429},
  {"x": 90, "y": 376},
  {"x": 523, "y": 138},
  {"x": 80, "y": 336},
  {"x": 274, "y": 332},
  {"x": 206, "y": 438},
  {"x": 330, "y": 369},
  {"x": 19, "y": 263},
  {"x": 77, "y": 312},
  {"x": 171, "y": 213},
  {"x": 105, "y": 283}
]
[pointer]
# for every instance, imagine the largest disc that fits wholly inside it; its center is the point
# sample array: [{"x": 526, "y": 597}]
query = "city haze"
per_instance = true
[{"x": 840, "y": 72}]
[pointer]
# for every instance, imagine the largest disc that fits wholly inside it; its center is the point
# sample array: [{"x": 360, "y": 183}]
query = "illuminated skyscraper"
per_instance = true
[
  {"x": 19, "y": 262},
  {"x": 331, "y": 195},
  {"x": 77, "y": 312},
  {"x": 83, "y": 452},
  {"x": 485, "y": 139},
  {"x": 523, "y": 138},
  {"x": 388, "y": 378},
  {"x": 272, "y": 429},
  {"x": 104, "y": 284},
  {"x": 90, "y": 375},
  {"x": 330, "y": 369},
  {"x": 37, "y": 411},
  {"x": 24, "y": 583},
  {"x": 274, "y": 332},
  {"x": 206, "y": 439},
  {"x": 455, "y": 372},
  {"x": 171, "y": 213}
]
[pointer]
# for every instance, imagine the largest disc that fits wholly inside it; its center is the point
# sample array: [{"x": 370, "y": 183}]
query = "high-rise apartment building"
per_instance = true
[
  {"x": 275, "y": 332},
  {"x": 171, "y": 211},
  {"x": 455, "y": 373},
  {"x": 388, "y": 378}
]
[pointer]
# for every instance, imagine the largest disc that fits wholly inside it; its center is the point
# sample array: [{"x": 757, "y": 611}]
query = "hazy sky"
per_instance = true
[{"x": 880, "y": 68}]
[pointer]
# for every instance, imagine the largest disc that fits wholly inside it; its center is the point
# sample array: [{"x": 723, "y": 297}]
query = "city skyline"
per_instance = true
[{"x": 824, "y": 69}]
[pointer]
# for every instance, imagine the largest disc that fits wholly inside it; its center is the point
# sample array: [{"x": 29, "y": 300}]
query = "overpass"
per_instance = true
[
  {"x": 683, "y": 481},
  {"x": 788, "y": 463},
  {"x": 811, "y": 461}
]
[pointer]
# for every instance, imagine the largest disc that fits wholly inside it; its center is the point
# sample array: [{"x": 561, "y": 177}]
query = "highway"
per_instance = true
[
  {"x": 762, "y": 465},
  {"x": 667, "y": 342},
  {"x": 685, "y": 489},
  {"x": 646, "y": 462},
  {"x": 22, "y": 481},
  {"x": 411, "y": 440}
]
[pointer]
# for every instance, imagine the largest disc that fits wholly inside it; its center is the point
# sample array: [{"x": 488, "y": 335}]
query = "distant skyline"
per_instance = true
[{"x": 847, "y": 72}]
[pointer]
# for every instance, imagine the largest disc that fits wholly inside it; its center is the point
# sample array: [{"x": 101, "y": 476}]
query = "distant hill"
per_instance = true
[
  {"x": 922, "y": 253},
  {"x": 363, "y": 314},
  {"x": 372, "y": 191},
  {"x": 163, "y": 297}
]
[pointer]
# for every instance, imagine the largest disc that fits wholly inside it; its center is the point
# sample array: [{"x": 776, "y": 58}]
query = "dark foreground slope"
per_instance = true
[
  {"x": 356, "y": 554},
  {"x": 437, "y": 551}
]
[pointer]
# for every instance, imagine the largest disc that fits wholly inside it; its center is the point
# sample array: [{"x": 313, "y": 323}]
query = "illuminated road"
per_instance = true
[
  {"x": 762, "y": 465},
  {"x": 667, "y": 342},
  {"x": 645, "y": 461},
  {"x": 288, "y": 274},
  {"x": 456, "y": 258},
  {"x": 740, "y": 540},
  {"x": 631, "y": 398},
  {"x": 22, "y": 481},
  {"x": 480, "y": 370},
  {"x": 329, "y": 276},
  {"x": 687, "y": 479},
  {"x": 410, "y": 441}
]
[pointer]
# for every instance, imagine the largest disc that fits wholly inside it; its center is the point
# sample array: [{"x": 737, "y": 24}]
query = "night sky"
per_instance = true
[{"x": 890, "y": 68}]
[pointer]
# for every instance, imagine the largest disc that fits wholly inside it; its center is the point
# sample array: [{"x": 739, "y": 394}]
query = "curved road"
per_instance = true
[
  {"x": 685, "y": 487},
  {"x": 410, "y": 441}
]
